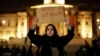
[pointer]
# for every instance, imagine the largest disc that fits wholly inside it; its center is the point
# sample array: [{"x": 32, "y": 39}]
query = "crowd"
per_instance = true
[
  {"x": 84, "y": 50},
  {"x": 89, "y": 50},
  {"x": 15, "y": 50}
]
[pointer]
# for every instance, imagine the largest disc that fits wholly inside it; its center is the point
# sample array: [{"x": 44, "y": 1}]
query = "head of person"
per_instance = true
[
  {"x": 50, "y": 30},
  {"x": 96, "y": 42}
]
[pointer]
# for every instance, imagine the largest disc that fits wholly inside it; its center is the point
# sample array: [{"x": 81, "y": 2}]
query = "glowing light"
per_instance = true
[
  {"x": 5, "y": 37},
  {"x": 19, "y": 35},
  {"x": 60, "y": 1},
  {"x": 66, "y": 12},
  {"x": 98, "y": 20},
  {"x": 25, "y": 28},
  {"x": 83, "y": 34},
  {"x": 99, "y": 27},
  {"x": 3, "y": 21},
  {"x": 47, "y": 1},
  {"x": 22, "y": 30},
  {"x": 52, "y": 5},
  {"x": 33, "y": 44},
  {"x": 83, "y": 29},
  {"x": 90, "y": 36}
]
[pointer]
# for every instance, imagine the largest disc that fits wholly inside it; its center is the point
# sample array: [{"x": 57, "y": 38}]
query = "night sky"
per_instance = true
[
  {"x": 18, "y": 3},
  {"x": 15, "y": 4},
  {"x": 21, "y": 3}
]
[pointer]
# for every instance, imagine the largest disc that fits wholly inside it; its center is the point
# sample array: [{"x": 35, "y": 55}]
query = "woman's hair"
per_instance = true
[{"x": 55, "y": 31}]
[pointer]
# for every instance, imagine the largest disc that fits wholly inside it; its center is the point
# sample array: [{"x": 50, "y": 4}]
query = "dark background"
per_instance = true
[{"x": 20, "y": 5}]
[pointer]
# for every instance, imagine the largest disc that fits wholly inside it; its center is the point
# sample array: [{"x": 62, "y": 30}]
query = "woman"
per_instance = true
[{"x": 50, "y": 39}]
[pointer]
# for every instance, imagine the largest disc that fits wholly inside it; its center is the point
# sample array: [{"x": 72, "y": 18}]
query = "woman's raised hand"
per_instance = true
[
  {"x": 35, "y": 20},
  {"x": 67, "y": 21},
  {"x": 34, "y": 23}
]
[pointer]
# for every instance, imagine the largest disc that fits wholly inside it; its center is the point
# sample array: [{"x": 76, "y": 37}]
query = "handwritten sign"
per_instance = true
[{"x": 50, "y": 14}]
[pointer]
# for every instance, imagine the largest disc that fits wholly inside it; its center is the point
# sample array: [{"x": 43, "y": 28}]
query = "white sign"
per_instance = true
[{"x": 50, "y": 14}]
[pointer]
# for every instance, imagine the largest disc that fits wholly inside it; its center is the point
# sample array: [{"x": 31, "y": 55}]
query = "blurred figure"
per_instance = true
[
  {"x": 15, "y": 50},
  {"x": 23, "y": 51},
  {"x": 6, "y": 51},
  {"x": 83, "y": 50},
  {"x": 30, "y": 53},
  {"x": 1, "y": 49},
  {"x": 51, "y": 39},
  {"x": 95, "y": 49}
]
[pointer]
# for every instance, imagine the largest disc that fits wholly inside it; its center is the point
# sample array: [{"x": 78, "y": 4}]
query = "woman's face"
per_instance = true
[{"x": 50, "y": 31}]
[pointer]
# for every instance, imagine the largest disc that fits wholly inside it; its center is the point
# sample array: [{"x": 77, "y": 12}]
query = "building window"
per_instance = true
[
  {"x": 16, "y": 23},
  {"x": 78, "y": 23},
  {"x": 86, "y": 23},
  {"x": 0, "y": 24},
  {"x": 8, "y": 23},
  {"x": 22, "y": 24}
]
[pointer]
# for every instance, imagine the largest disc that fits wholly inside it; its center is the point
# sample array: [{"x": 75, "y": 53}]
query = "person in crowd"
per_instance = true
[
  {"x": 50, "y": 39},
  {"x": 83, "y": 50},
  {"x": 30, "y": 52},
  {"x": 95, "y": 49},
  {"x": 1, "y": 49},
  {"x": 23, "y": 51},
  {"x": 5, "y": 50},
  {"x": 15, "y": 50}
]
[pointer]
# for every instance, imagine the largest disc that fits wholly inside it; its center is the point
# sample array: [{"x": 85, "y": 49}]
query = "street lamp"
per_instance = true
[
  {"x": 98, "y": 20},
  {"x": 3, "y": 21}
]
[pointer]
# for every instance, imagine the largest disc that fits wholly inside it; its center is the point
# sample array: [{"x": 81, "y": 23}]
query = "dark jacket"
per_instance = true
[{"x": 46, "y": 42}]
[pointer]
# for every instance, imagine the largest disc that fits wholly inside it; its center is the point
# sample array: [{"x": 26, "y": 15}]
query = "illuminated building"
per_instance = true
[
  {"x": 16, "y": 25},
  {"x": 13, "y": 25}
]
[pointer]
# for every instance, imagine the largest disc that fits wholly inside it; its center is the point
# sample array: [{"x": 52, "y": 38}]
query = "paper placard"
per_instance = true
[{"x": 50, "y": 14}]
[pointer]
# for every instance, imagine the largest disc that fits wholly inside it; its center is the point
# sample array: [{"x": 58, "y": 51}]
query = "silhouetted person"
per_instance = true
[
  {"x": 15, "y": 50},
  {"x": 50, "y": 39},
  {"x": 30, "y": 53},
  {"x": 23, "y": 51},
  {"x": 95, "y": 49},
  {"x": 83, "y": 50},
  {"x": 1, "y": 49}
]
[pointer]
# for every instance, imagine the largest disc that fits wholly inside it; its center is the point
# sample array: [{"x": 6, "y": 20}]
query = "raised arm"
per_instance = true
[
  {"x": 31, "y": 32},
  {"x": 32, "y": 36},
  {"x": 67, "y": 38}
]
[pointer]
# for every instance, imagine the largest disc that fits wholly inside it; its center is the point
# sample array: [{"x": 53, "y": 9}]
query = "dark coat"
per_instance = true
[{"x": 46, "y": 42}]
